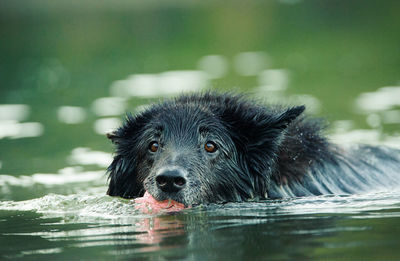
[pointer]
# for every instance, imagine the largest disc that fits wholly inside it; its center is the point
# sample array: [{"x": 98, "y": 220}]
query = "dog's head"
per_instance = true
[{"x": 198, "y": 149}]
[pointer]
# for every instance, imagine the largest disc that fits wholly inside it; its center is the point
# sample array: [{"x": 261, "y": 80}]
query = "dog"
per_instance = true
[{"x": 213, "y": 148}]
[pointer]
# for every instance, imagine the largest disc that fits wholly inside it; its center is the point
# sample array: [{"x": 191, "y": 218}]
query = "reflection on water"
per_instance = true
[
  {"x": 273, "y": 80},
  {"x": 109, "y": 106},
  {"x": 250, "y": 63},
  {"x": 18, "y": 130},
  {"x": 384, "y": 98},
  {"x": 11, "y": 126},
  {"x": 64, "y": 176},
  {"x": 71, "y": 114},
  {"x": 14, "y": 112},
  {"x": 380, "y": 106},
  {"x": 106, "y": 125},
  {"x": 216, "y": 66},
  {"x": 159, "y": 85},
  {"x": 86, "y": 156}
]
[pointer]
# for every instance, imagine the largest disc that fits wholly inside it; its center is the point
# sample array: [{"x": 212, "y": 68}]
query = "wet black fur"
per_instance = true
[{"x": 263, "y": 152}]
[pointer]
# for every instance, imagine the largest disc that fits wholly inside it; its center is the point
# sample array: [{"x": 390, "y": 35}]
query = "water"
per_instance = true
[
  {"x": 69, "y": 71},
  {"x": 93, "y": 226}
]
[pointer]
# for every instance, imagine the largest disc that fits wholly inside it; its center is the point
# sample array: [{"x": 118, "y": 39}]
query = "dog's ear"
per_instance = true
[
  {"x": 285, "y": 118},
  {"x": 130, "y": 126},
  {"x": 257, "y": 131},
  {"x": 123, "y": 176},
  {"x": 267, "y": 128},
  {"x": 254, "y": 125}
]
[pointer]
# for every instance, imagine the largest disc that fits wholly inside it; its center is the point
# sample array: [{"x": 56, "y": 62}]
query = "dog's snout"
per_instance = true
[{"x": 171, "y": 180}]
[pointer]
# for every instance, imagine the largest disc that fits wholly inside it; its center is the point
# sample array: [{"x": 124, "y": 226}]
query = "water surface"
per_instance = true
[{"x": 90, "y": 225}]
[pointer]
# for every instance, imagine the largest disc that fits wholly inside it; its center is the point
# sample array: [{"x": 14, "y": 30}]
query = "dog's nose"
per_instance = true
[{"x": 171, "y": 180}]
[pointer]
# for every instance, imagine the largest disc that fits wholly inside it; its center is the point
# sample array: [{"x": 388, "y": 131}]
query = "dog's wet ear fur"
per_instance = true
[
  {"x": 268, "y": 128},
  {"x": 255, "y": 125},
  {"x": 285, "y": 118},
  {"x": 122, "y": 176},
  {"x": 123, "y": 169},
  {"x": 258, "y": 129},
  {"x": 131, "y": 125},
  {"x": 257, "y": 132}
]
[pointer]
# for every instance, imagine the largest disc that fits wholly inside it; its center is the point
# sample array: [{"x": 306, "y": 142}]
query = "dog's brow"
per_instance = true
[
  {"x": 203, "y": 129},
  {"x": 158, "y": 127}
]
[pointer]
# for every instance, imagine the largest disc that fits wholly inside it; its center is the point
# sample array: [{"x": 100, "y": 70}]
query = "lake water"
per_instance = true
[
  {"x": 90, "y": 225},
  {"x": 69, "y": 71}
]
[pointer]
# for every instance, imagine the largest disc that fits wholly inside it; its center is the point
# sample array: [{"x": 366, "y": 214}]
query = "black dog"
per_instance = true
[{"x": 211, "y": 148}]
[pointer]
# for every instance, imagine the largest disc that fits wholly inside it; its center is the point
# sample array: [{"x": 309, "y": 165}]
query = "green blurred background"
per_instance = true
[{"x": 326, "y": 54}]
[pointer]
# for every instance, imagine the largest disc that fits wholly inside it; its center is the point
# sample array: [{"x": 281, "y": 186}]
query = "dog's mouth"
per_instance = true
[{"x": 149, "y": 204}]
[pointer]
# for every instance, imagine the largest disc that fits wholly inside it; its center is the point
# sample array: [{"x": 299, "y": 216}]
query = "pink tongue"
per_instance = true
[{"x": 148, "y": 204}]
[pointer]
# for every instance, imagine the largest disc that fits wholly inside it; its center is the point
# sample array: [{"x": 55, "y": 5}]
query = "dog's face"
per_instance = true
[{"x": 196, "y": 151}]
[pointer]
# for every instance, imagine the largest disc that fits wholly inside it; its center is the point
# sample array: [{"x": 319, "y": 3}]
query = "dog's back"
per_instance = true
[{"x": 347, "y": 170}]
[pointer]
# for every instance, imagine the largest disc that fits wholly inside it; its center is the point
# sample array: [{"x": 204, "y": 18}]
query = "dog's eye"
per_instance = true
[
  {"x": 153, "y": 147},
  {"x": 210, "y": 147}
]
